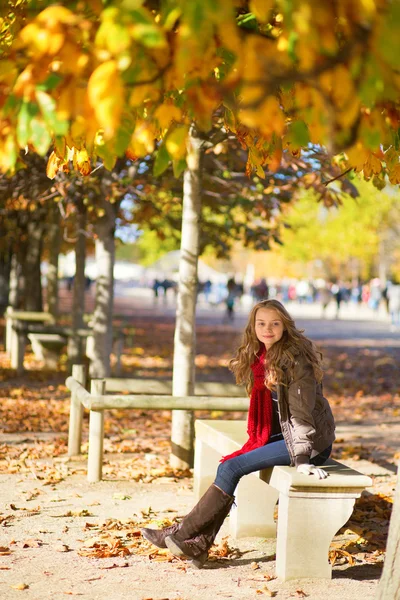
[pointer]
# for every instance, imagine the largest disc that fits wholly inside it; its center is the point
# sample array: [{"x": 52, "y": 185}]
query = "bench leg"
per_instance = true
[
  {"x": 254, "y": 511},
  {"x": 206, "y": 462},
  {"x": 307, "y": 522},
  {"x": 17, "y": 351}
]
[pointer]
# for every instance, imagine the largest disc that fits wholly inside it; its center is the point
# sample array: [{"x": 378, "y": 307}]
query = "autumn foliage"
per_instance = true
[{"x": 99, "y": 82}]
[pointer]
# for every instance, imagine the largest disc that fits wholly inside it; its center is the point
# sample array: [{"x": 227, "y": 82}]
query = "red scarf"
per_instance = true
[{"x": 259, "y": 423}]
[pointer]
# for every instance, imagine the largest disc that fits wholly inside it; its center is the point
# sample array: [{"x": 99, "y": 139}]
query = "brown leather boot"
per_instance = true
[
  {"x": 157, "y": 536},
  {"x": 199, "y": 528}
]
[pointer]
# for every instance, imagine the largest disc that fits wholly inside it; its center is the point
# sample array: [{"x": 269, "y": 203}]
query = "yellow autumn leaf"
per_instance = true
[
  {"x": 357, "y": 155},
  {"x": 143, "y": 93},
  {"x": 106, "y": 96},
  {"x": 394, "y": 174},
  {"x": 391, "y": 157},
  {"x": 350, "y": 112},
  {"x": 372, "y": 166},
  {"x": 53, "y": 15},
  {"x": 176, "y": 142},
  {"x": 20, "y": 586},
  {"x": 142, "y": 140},
  {"x": 53, "y": 165},
  {"x": 261, "y": 9},
  {"x": 81, "y": 161},
  {"x": 166, "y": 113},
  {"x": 342, "y": 86}
]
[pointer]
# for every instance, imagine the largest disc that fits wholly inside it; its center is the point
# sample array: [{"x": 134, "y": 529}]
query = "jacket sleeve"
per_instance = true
[{"x": 301, "y": 398}]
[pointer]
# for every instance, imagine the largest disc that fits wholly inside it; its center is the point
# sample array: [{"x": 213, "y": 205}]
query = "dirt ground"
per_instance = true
[
  {"x": 61, "y": 536},
  {"x": 44, "y": 527}
]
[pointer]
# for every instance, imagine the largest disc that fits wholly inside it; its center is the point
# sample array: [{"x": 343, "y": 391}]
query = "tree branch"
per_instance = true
[{"x": 338, "y": 176}]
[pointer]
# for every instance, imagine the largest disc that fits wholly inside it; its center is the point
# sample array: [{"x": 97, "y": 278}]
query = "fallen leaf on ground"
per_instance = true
[
  {"x": 20, "y": 586},
  {"x": 31, "y": 543},
  {"x": 61, "y": 548},
  {"x": 75, "y": 513},
  {"x": 115, "y": 566},
  {"x": 4, "y": 551},
  {"x": 266, "y": 591}
]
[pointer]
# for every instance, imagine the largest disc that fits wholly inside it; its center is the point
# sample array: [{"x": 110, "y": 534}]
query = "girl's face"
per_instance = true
[{"x": 269, "y": 326}]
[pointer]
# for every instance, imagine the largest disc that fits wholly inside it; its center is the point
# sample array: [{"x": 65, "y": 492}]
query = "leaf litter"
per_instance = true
[{"x": 360, "y": 383}]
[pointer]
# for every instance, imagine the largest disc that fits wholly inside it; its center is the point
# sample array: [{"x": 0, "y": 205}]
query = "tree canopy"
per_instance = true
[{"x": 103, "y": 79}]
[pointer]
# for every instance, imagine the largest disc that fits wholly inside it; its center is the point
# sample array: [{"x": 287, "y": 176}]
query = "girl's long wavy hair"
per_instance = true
[{"x": 280, "y": 357}]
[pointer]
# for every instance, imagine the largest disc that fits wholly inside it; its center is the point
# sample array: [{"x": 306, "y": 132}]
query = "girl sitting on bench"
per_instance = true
[{"x": 289, "y": 423}]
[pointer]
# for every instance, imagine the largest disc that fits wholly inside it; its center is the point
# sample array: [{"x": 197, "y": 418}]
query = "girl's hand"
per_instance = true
[{"x": 312, "y": 470}]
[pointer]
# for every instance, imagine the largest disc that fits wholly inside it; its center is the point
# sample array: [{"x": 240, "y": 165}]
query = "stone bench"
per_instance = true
[
  {"x": 15, "y": 338},
  {"x": 47, "y": 347},
  {"x": 310, "y": 511}
]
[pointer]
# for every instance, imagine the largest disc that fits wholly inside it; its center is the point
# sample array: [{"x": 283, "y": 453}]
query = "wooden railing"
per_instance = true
[{"x": 97, "y": 401}]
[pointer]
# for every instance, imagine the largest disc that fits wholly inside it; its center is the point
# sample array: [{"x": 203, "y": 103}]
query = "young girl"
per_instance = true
[{"x": 289, "y": 423}]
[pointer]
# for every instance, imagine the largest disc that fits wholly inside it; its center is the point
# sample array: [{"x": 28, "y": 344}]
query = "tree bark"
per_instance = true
[
  {"x": 389, "y": 585},
  {"x": 15, "y": 271},
  {"x": 75, "y": 343},
  {"x": 182, "y": 432},
  {"x": 54, "y": 239},
  {"x": 102, "y": 317},
  {"x": 5, "y": 268},
  {"x": 31, "y": 267}
]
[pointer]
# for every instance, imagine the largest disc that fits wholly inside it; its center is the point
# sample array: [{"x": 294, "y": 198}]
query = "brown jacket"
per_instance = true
[{"x": 307, "y": 422}]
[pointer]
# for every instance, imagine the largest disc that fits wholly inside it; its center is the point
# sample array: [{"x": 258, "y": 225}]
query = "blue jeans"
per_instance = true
[{"x": 231, "y": 471}]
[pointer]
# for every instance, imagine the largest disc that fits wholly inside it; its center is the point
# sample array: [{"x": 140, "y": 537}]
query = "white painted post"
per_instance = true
[
  {"x": 76, "y": 413},
  {"x": 96, "y": 434}
]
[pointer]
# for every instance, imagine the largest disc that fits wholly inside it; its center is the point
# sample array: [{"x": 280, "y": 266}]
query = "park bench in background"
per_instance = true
[
  {"x": 47, "y": 347},
  {"x": 16, "y": 336},
  {"x": 97, "y": 401},
  {"x": 310, "y": 511},
  {"x": 48, "y": 338}
]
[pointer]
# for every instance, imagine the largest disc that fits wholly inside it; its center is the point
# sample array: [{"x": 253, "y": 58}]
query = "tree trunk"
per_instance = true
[
  {"x": 15, "y": 277},
  {"x": 31, "y": 268},
  {"x": 75, "y": 343},
  {"x": 5, "y": 267},
  {"x": 102, "y": 318},
  {"x": 54, "y": 238},
  {"x": 389, "y": 585},
  {"x": 182, "y": 432}
]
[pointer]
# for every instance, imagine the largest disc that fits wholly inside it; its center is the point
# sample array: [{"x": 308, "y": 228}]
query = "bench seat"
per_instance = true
[
  {"x": 310, "y": 511},
  {"x": 47, "y": 347}
]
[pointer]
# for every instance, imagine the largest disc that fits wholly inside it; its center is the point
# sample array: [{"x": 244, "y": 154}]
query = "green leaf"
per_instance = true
[
  {"x": 178, "y": 167},
  {"x": 107, "y": 155},
  {"x": 47, "y": 106},
  {"x": 124, "y": 133},
  {"x": 40, "y": 136},
  {"x": 148, "y": 35},
  {"x": 293, "y": 37},
  {"x": 27, "y": 112},
  {"x": 146, "y": 31},
  {"x": 162, "y": 161},
  {"x": 50, "y": 83},
  {"x": 299, "y": 133}
]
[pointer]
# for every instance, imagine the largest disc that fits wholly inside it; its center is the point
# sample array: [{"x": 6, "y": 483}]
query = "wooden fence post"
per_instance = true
[
  {"x": 76, "y": 413},
  {"x": 96, "y": 434}
]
